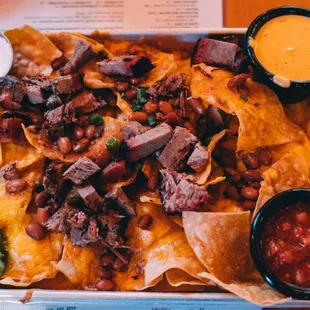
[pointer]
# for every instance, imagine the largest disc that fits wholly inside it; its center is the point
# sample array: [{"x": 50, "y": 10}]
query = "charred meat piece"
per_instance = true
[
  {"x": 170, "y": 86},
  {"x": 132, "y": 129},
  {"x": 199, "y": 158},
  {"x": 121, "y": 200},
  {"x": 38, "y": 89},
  {"x": 113, "y": 171},
  {"x": 91, "y": 198},
  {"x": 12, "y": 93},
  {"x": 67, "y": 84},
  {"x": 83, "y": 53},
  {"x": 146, "y": 143},
  {"x": 53, "y": 101},
  {"x": 11, "y": 130},
  {"x": 78, "y": 220},
  {"x": 178, "y": 148},
  {"x": 83, "y": 236},
  {"x": 55, "y": 117},
  {"x": 215, "y": 52},
  {"x": 85, "y": 102},
  {"x": 81, "y": 171},
  {"x": 179, "y": 193},
  {"x": 130, "y": 65},
  {"x": 35, "y": 94}
]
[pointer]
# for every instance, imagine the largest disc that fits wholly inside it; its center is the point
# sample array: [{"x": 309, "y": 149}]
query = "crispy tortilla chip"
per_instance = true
[
  {"x": 164, "y": 64},
  {"x": 96, "y": 80},
  {"x": 178, "y": 277},
  {"x": 66, "y": 42},
  {"x": 22, "y": 155},
  {"x": 161, "y": 248},
  {"x": 258, "y": 293},
  {"x": 123, "y": 105},
  {"x": 33, "y": 52},
  {"x": 260, "y": 113},
  {"x": 121, "y": 183},
  {"x": 29, "y": 260},
  {"x": 77, "y": 264},
  {"x": 221, "y": 242},
  {"x": 201, "y": 177},
  {"x": 112, "y": 127},
  {"x": 291, "y": 171}
]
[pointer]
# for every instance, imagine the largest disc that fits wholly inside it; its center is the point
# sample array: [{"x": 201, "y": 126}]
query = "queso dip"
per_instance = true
[{"x": 282, "y": 46}]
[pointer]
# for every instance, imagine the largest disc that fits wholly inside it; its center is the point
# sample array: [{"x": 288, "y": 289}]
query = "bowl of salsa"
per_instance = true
[
  {"x": 279, "y": 51},
  {"x": 280, "y": 242}
]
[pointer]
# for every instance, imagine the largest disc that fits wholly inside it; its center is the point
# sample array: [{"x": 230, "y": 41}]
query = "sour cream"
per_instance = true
[
  {"x": 282, "y": 47},
  {"x": 6, "y": 56}
]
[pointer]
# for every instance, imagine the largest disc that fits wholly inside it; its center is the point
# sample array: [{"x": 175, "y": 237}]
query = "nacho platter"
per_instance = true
[{"x": 202, "y": 178}]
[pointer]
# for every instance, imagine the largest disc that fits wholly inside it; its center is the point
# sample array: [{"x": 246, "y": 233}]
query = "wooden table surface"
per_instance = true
[{"x": 240, "y": 13}]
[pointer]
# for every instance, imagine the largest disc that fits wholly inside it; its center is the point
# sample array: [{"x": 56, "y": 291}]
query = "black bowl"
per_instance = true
[
  {"x": 298, "y": 89},
  {"x": 271, "y": 208}
]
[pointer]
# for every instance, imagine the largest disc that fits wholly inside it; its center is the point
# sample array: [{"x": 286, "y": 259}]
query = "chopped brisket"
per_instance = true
[
  {"x": 83, "y": 236},
  {"x": 113, "y": 171},
  {"x": 170, "y": 86},
  {"x": 55, "y": 117},
  {"x": 146, "y": 143},
  {"x": 35, "y": 94},
  {"x": 67, "y": 84},
  {"x": 81, "y": 170},
  {"x": 53, "y": 101},
  {"x": 178, "y": 148},
  {"x": 121, "y": 200},
  {"x": 214, "y": 52},
  {"x": 199, "y": 158},
  {"x": 130, "y": 65},
  {"x": 52, "y": 176},
  {"x": 132, "y": 129},
  {"x": 83, "y": 53},
  {"x": 91, "y": 198},
  {"x": 12, "y": 93},
  {"x": 85, "y": 102},
  {"x": 78, "y": 220},
  {"x": 179, "y": 193},
  {"x": 11, "y": 130}
]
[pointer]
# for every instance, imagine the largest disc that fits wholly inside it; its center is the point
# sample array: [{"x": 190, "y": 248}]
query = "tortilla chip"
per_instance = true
[
  {"x": 261, "y": 116},
  {"x": 33, "y": 52},
  {"x": 112, "y": 127},
  {"x": 177, "y": 277},
  {"x": 161, "y": 248},
  {"x": 77, "y": 264},
  {"x": 121, "y": 183},
  {"x": 201, "y": 177},
  {"x": 22, "y": 155},
  {"x": 164, "y": 64},
  {"x": 97, "y": 80},
  {"x": 258, "y": 293},
  {"x": 123, "y": 105},
  {"x": 29, "y": 260}
]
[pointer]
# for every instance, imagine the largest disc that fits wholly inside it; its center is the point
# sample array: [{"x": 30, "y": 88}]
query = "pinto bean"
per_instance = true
[
  {"x": 255, "y": 185},
  {"x": 41, "y": 199},
  {"x": 64, "y": 145},
  {"x": 113, "y": 172},
  {"x": 80, "y": 146},
  {"x": 150, "y": 107},
  {"x": 232, "y": 192},
  {"x": 251, "y": 160},
  {"x": 90, "y": 131},
  {"x": 78, "y": 133},
  {"x": 249, "y": 204},
  {"x": 188, "y": 125},
  {"x": 165, "y": 107},
  {"x": 152, "y": 182},
  {"x": 82, "y": 120},
  {"x": 251, "y": 175},
  {"x": 35, "y": 231},
  {"x": 130, "y": 94},
  {"x": 145, "y": 222},
  {"x": 233, "y": 174},
  {"x": 264, "y": 156},
  {"x": 172, "y": 119},
  {"x": 121, "y": 86},
  {"x": 228, "y": 158},
  {"x": 105, "y": 285},
  {"x": 197, "y": 105},
  {"x": 16, "y": 185},
  {"x": 42, "y": 215},
  {"x": 135, "y": 80},
  {"x": 102, "y": 272},
  {"x": 140, "y": 117},
  {"x": 249, "y": 193},
  {"x": 103, "y": 159}
]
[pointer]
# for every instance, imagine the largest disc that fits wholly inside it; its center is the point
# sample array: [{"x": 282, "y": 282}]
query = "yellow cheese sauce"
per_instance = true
[{"x": 282, "y": 46}]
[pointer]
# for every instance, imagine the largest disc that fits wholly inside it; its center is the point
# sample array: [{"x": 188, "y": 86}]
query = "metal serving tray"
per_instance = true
[{"x": 68, "y": 299}]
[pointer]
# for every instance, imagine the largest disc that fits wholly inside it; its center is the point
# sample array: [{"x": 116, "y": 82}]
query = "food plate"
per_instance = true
[{"x": 179, "y": 37}]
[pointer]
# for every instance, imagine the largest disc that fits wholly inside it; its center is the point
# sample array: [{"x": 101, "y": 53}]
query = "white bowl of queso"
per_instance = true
[{"x": 278, "y": 44}]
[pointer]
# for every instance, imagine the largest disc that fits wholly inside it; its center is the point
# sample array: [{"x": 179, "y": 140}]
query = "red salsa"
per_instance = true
[{"x": 286, "y": 244}]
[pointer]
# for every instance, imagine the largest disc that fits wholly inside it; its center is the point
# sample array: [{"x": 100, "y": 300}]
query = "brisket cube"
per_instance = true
[
  {"x": 121, "y": 200},
  {"x": 12, "y": 93},
  {"x": 67, "y": 84},
  {"x": 178, "y": 148},
  {"x": 178, "y": 192},
  {"x": 146, "y": 143},
  {"x": 35, "y": 94},
  {"x": 130, "y": 65},
  {"x": 199, "y": 158},
  {"x": 85, "y": 102},
  {"x": 132, "y": 129},
  {"x": 55, "y": 117},
  {"x": 83, "y": 236},
  {"x": 91, "y": 198},
  {"x": 81, "y": 171},
  {"x": 215, "y": 52}
]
